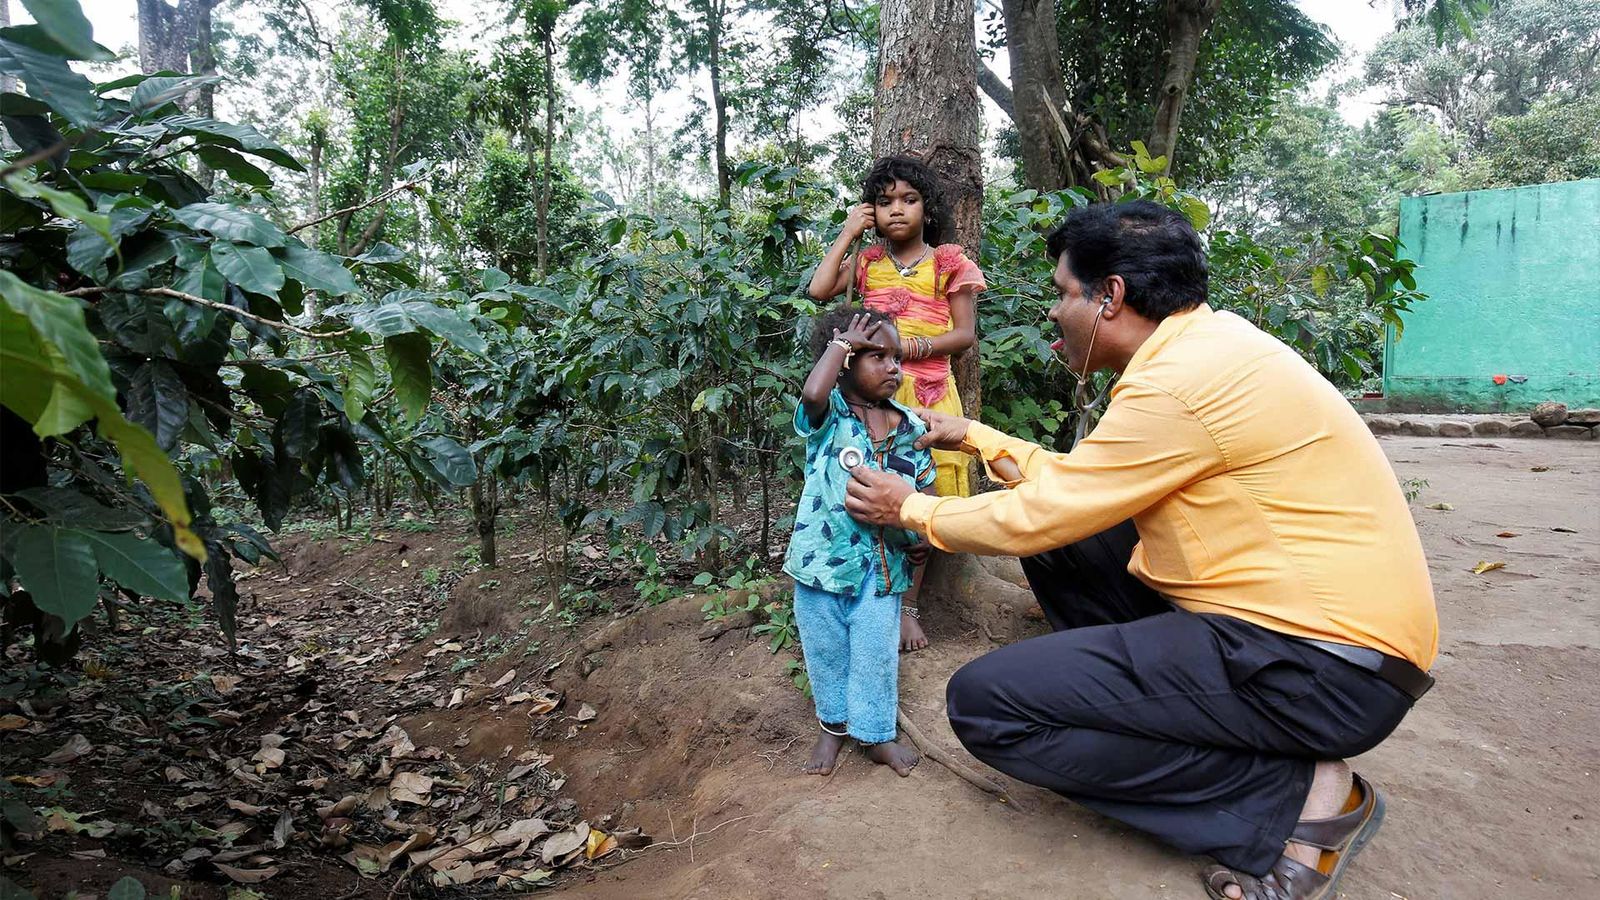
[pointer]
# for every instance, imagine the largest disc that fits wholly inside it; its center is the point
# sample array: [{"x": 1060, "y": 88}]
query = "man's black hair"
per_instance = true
[
  {"x": 886, "y": 171},
  {"x": 1153, "y": 248},
  {"x": 839, "y": 317}
]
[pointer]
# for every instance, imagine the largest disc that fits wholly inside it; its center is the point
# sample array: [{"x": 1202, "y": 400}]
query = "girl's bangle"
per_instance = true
[{"x": 842, "y": 344}]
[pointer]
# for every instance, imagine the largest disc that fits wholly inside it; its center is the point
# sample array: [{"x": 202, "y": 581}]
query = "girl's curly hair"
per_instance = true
[
  {"x": 915, "y": 172},
  {"x": 839, "y": 317}
]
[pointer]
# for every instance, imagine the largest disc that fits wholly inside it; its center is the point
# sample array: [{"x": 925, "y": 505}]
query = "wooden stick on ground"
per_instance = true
[{"x": 938, "y": 755}]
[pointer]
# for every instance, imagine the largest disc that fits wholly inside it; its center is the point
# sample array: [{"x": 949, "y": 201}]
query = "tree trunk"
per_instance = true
[
  {"x": 719, "y": 102},
  {"x": 547, "y": 39},
  {"x": 485, "y": 509},
  {"x": 927, "y": 104},
  {"x": 1187, "y": 21},
  {"x": 1038, "y": 91}
]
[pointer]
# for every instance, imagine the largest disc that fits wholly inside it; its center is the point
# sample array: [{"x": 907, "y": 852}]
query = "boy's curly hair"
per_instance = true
[
  {"x": 839, "y": 317},
  {"x": 915, "y": 172}
]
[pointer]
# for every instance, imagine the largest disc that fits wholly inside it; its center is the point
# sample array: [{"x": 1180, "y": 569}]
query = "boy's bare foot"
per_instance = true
[
  {"x": 900, "y": 758},
  {"x": 824, "y": 752},
  {"x": 911, "y": 636}
]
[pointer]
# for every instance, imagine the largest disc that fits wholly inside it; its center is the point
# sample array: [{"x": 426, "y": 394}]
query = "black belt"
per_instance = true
[{"x": 1407, "y": 678}]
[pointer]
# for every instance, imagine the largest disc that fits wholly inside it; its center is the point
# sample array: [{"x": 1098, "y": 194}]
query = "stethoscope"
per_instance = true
[{"x": 1089, "y": 405}]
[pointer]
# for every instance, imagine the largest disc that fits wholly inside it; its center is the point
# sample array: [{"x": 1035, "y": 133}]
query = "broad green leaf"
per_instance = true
[
  {"x": 239, "y": 137},
  {"x": 493, "y": 279},
  {"x": 48, "y": 78},
  {"x": 297, "y": 427},
  {"x": 224, "y": 591},
  {"x": 318, "y": 271},
  {"x": 360, "y": 380},
  {"x": 230, "y": 223},
  {"x": 411, "y": 372},
  {"x": 453, "y": 461},
  {"x": 64, "y": 204},
  {"x": 64, "y": 506},
  {"x": 1196, "y": 211},
  {"x": 1320, "y": 279},
  {"x": 238, "y": 168},
  {"x": 158, "y": 400},
  {"x": 251, "y": 268},
  {"x": 139, "y": 564},
  {"x": 57, "y": 566},
  {"x": 137, "y": 322},
  {"x": 144, "y": 253},
  {"x": 43, "y": 357},
  {"x": 126, "y": 888},
  {"x": 10, "y": 890},
  {"x": 65, "y": 22},
  {"x": 448, "y": 324},
  {"x": 59, "y": 322},
  {"x": 159, "y": 90}
]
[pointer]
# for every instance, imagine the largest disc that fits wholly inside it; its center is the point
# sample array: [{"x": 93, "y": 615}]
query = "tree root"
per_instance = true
[{"x": 938, "y": 755}]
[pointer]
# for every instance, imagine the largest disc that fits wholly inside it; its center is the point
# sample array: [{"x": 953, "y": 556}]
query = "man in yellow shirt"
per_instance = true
[{"x": 1239, "y": 594}]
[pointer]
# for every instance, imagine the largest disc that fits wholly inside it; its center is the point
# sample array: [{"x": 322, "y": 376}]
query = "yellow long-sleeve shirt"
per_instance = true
[{"x": 1256, "y": 489}]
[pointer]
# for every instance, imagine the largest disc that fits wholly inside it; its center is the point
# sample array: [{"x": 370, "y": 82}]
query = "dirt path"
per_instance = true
[{"x": 1493, "y": 779}]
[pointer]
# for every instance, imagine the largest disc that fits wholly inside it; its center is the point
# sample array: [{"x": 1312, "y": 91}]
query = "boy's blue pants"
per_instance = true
[{"x": 852, "y": 650}]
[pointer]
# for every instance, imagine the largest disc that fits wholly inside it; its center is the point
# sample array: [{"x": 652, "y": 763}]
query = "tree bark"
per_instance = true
[
  {"x": 715, "y": 10},
  {"x": 1038, "y": 88},
  {"x": 1187, "y": 22},
  {"x": 998, "y": 90},
  {"x": 547, "y": 39},
  {"x": 927, "y": 104}
]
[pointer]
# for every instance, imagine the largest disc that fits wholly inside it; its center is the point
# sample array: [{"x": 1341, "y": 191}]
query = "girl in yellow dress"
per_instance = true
[{"x": 928, "y": 287}]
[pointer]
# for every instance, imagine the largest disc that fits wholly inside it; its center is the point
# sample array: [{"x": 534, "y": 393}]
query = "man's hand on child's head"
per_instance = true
[
  {"x": 873, "y": 496},
  {"x": 945, "y": 432}
]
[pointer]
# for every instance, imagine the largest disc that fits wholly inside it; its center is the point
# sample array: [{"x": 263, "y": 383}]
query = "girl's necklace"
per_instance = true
[{"x": 905, "y": 270}]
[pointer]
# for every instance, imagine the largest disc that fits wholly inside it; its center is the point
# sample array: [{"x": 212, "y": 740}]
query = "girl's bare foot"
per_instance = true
[
  {"x": 825, "y": 751},
  {"x": 900, "y": 758},
  {"x": 911, "y": 636}
]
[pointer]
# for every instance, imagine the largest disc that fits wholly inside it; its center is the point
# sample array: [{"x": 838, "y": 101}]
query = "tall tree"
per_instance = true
[
  {"x": 633, "y": 34},
  {"x": 1138, "y": 69},
  {"x": 927, "y": 105}
]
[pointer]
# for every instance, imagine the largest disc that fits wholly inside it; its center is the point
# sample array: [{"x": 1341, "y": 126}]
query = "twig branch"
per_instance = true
[
  {"x": 936, "y": 753},
  {"x": 221, "y": 307},
  {"x": 403, "y": 186}
]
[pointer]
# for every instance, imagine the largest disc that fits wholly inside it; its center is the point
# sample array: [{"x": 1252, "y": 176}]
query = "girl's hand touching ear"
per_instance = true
[{"x": 862, "y": 217}]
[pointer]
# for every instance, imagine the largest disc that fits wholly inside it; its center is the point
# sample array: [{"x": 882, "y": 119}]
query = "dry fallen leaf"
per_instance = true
[
  {"x": 1539, "y": 469},
  {"x": 598, "y": 844},
  {"x": 505, "y": 679},
  {"x": 1508, "y": 534},
  {"x": 76, "y": 748},
  {"x": 1441, "y": 506},
  {"x": 225, "y": 684},
  {"x": 1486, "y": 566},
  {"x": 11, "y": 722},
  {"x": 410, "y": 787},
  {"x": 558, "y": 845},
  {"x": 249, "y": 809},
  {"x": 586, "y": 713}
]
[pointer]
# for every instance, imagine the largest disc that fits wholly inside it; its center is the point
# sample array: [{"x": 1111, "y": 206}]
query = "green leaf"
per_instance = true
[
  {"x": 1320, "y": 280},
  {"x": 1195, "y": 210},
  {"x": 64, "y": 204},
  {"x": 65, "y": 22},
  {"x": 448, "y": 324},
  {"x": 360, "y": 380},
  {"x": 230, "y": 223},
  {"x": 493, "y": 279},
  {"x": 63, "y": 506},
  {"x": 140, "y": 564},
  {"x": 158, "y": 400},
  {"x": 238, "y": 137},
  {"x": 453, "y": 461},
  {"x": 127, "y": 888},
  {"x": 50, "y": 79},
  {"x": 251, "y": 268},
  {"x": 224, "y": 591},
  {"x": 445, "y": 223},
  {"x": 57, "y": 566},
  {"x": 59, "y": 321},
  {"x": 159, "y": 90},
  {"x": 238, "y": 168},
  {"x": 410, "y": 371},
  {"x": 137, "y": 322},
  {"x": 297, "y": 428},
  {"x": 318, "y": 271},
  {"x": 10, "y": 890}
]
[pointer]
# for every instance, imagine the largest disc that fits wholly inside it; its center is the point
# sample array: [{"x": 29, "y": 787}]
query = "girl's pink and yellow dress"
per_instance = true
[{"x": 920, "y": 307}]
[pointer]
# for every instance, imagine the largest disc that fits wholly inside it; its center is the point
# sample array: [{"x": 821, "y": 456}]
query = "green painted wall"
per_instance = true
[{"x": 1513, "y": 284}]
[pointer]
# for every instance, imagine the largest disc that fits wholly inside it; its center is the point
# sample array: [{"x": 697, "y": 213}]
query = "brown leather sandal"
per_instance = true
[{"x": 1339, "y": 838}]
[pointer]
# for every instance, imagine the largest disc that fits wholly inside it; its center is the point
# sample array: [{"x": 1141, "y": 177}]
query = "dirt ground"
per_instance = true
[
  {"x": 1493, "y": 780},
  {"x": 694, "y": 734}
]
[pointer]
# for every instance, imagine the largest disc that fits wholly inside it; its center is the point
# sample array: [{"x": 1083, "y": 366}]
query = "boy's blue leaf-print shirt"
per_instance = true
[{"x": 829, "y": 550}]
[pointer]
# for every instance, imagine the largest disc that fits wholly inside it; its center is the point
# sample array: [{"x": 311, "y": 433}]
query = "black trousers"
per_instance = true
[{"x": 1202, "y": 730}]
